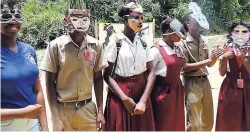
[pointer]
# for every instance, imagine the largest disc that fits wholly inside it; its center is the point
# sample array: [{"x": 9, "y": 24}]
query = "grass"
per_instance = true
[{"x": 213, "y": 42}]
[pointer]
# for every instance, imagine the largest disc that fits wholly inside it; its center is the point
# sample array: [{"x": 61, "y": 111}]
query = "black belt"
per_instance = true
[
  {"x": 200, "y": 77},
  {"x": 77, "y": 104}
]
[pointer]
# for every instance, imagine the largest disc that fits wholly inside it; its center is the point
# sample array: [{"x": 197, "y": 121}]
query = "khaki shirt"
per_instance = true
[
  {"x": 199, "y": 52},
  {"x": 74, "y": 70}
]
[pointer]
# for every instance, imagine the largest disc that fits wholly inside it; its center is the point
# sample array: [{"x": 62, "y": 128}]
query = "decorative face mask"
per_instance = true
[
  {"x": 135, "y": 21},
  {"x": 178, "y": 28},
  {"x": 240, "y": 35},
  {"x": 198, "y": 16},
  {"x": 8, "y": 15},
  {"x": 78, "y": 19}
]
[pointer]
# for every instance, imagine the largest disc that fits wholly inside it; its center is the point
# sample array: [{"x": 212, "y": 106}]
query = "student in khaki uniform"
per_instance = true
[
  {"x": 73, "y": 64},
  {"x": 199, "y": 103}
]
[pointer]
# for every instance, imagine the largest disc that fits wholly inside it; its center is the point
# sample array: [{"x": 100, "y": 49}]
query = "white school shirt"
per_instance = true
[
  {"x": 158, "y": 62},
  {"x": 132, "y": 58}
]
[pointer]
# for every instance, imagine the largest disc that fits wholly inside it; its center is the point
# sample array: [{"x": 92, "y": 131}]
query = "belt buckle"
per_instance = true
[
  {"x": 77, "y": 104},
  {"x": 132, "y": 78}
]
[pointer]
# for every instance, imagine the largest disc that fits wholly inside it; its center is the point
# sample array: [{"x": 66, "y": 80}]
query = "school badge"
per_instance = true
[
  {"x": 89, "y": 56},
  {"x": 31, "y": 59}
]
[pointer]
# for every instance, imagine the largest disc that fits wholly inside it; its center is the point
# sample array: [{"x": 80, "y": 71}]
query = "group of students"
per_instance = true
[{"x": 145, "y": 93}]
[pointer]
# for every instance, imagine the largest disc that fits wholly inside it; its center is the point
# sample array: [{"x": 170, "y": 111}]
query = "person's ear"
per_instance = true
[{"x": 67, "y": 19}]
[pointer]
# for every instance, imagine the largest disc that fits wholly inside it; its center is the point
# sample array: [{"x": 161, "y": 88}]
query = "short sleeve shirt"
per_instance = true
[
  {"x": 199, "y": 52},
  {"x": 132, "y": 58},
  {"x": 158, "y": 62},
  {"x": 19, "y": 73},
  {"x": 74, "y": 66}
]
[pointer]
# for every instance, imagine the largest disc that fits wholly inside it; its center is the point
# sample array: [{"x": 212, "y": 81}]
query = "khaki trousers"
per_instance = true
[
  {"x": 81, "y": 119},
  {"x": 199, "y": 104}
]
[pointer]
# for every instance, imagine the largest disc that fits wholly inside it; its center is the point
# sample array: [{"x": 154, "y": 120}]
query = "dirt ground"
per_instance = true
[{"x": 214, "y": 77}]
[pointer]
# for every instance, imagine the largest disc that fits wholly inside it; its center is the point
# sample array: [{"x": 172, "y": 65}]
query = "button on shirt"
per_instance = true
[
  {"x": 199, "y": 52},
  {"x": 158, "y": 62},
  {"x": 19, "y": 73},
  {"x": 132, "y": 58},
  {"x": 74, "y": 66}
]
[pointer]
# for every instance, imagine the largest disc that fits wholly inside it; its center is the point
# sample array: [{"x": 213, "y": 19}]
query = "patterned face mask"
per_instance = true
[
  {"x": 135, "y": 21},
  {"x": 240, "y": 36},
  {"x": 8, "y": 15},
  {"x": 78, "y": 19}
]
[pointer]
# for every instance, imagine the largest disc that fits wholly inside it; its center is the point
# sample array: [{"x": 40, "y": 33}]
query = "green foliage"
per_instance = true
[
  {"x": 43, "y": 22},
  {"x": 44, "y": 18}
]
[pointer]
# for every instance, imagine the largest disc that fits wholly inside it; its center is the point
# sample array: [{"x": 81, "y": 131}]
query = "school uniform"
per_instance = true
[
  {"x": 131, "y": 76},
  {"x": 168, "y": 92},
  {"x": 75, "y": 67},
  {"x": 233, "y": 113},
  {"x": 198, "y": 93},
  {"x": 19, "y": 72}
]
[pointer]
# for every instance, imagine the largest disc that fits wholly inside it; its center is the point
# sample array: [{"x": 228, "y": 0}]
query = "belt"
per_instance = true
[
  {"x": 133, "y": 78},
  {"x": 200, "y": 77},
  {"x": 77, "y": 104}
]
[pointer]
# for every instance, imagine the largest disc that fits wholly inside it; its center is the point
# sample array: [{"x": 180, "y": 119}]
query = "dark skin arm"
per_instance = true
[
  {"x": 98, "y": 86},
  {"x": 40, "y": 100},
  {"x": 50, "y": 79},
  {"x": 127, "y": 101},
  {"x": 141, "y": 105},
  {"x": 208, "y": 62}
]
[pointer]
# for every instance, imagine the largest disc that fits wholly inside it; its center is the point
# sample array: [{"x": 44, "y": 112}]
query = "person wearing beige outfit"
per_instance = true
[
  {"x": 73, "y": 64},
  {"x": 198, "y": 94}
]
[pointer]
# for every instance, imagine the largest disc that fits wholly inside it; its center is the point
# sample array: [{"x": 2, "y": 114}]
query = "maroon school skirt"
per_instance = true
[{"x": 118, "y": 117}]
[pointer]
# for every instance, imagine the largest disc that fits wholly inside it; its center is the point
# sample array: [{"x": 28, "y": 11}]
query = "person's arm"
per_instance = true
[
  {"x": 208, "y": 62},
  {"x": 40, "y": 100},
  {"x": 246, "y": 62},
  {"x": 141, "y": 105},
  {"x": 127, "y": 101},
  {"x": 50, "y": 82},
  {"x": 98, "y": 86},
  {"x": 224, "y": 61},
  {"x": 30, "y": 112}
]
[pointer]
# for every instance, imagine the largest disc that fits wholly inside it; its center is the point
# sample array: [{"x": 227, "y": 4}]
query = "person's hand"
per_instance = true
[
  {"x": 216, "y": 53},
  {"x": 32, "y": 111},
  {"x": 140, "y": 108},
  {"x": 241, "y": 54},
  {"x": 58, "y": 124},
  {"x": 228, "y": 55},
  {"x": 100, "y": 121},
  {"x": 129, "y": 104}
]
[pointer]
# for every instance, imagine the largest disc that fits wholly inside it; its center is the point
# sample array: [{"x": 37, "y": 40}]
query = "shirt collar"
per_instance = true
[
  {"x": 87, "y": 40},
  {"x": 162, "y": 43}
]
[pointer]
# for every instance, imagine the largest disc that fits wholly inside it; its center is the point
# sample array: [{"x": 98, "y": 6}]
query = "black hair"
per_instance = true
[
  {"x": 185, "y": 18},
  {"x": 165, "y": 23},
  {"x": 233, "y": 25},
  {"x": 122, "y": 11}
]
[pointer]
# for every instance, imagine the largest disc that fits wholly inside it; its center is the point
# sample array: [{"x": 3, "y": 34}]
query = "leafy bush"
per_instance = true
[{"x": 43, "y": 22}]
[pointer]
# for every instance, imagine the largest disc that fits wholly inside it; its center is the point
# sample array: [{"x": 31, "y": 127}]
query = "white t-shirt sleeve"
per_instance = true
[
  {"x": 155, "y": 53},
  {"x": 149, "y": 55},
  {"x": 111, "y": 51}
]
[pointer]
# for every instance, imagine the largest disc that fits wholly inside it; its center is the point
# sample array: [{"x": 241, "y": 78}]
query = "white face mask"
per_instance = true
[
  {"x": 240, "y": 36},
  {"x": 198, "y": 16}
]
